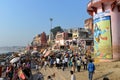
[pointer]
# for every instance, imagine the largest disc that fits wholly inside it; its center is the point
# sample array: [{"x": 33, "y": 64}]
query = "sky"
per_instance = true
[{"x": 21, "y": 20}]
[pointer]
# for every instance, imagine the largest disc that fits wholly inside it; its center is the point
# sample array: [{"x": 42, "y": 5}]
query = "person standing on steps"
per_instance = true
[
  {"x": 85, "y": 62},
  {"x": 78, "y": 65},
  {"x": 72, "y": 75},
  {"x": 63, "y": 64},
  {"x": 91, "y": 69}
]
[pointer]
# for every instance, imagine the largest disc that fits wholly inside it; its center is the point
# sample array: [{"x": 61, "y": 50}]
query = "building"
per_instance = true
[
  {"x": 73, "y": 37},
  {"x": 89, "y": 25},
  {"x": 40, "y": 40},
  {"x": 36, "y": 40},
  {"x": 80, "y": 33},
  {"x": 62, "y": 38},
  {"x": 106, "y": 23}
]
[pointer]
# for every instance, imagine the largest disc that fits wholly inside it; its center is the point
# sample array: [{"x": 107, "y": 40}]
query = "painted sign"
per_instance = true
[
  {"x": 102, "y": 37},
  {"x": 102, "y": 14}
]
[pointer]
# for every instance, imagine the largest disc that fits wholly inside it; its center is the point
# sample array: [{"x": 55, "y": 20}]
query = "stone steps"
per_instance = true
[{"x": 63, "y": 75}]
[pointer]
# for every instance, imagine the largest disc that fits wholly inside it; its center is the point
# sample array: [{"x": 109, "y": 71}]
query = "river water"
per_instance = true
[{"x": 10, "y": 49}]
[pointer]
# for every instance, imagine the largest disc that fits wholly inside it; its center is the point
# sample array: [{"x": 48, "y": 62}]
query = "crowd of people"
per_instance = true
[
  {"x": 20, "y": 70},
  {"x": 65, "y": 59},
  {"x": 62, "y": 60},
  {"x": 74, "y": 61}
]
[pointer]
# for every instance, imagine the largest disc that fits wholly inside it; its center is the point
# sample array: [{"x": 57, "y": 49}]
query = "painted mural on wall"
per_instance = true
[{"x": 102, "y": 37}]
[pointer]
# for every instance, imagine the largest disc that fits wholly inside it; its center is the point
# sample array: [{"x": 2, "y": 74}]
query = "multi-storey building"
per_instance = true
[
  {"x": 80, "y": 33},
  {"x": 40, "y": 40},
  {"x": 89, "y": 25},
  {"x": 72, "y": 37},
  {"x": 61, "y": 38}
]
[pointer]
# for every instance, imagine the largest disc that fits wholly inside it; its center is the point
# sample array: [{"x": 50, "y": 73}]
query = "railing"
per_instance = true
[{"x": 93, "y": 1}]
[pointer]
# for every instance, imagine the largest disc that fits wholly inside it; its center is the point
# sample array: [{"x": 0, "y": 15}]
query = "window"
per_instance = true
[{"x": 69, "y": 35}]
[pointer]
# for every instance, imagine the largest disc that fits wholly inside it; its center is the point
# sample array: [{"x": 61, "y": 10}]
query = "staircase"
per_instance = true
[
  {"x": 64, "y": 75},
  {"x": 59, "y": 74}
]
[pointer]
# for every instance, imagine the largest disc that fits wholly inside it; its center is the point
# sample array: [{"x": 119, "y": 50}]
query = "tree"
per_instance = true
[{"x": 56, "y": 29}]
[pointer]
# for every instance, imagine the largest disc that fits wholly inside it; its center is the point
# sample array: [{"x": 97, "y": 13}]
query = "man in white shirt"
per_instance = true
[
  {"x": 66, "y": 62},
  {"x": 72, "y": 75},
  {"x": 58, "y": 62}
]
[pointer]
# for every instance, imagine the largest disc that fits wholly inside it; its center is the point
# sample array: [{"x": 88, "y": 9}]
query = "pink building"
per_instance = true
[{"x": 106, "y": 22}]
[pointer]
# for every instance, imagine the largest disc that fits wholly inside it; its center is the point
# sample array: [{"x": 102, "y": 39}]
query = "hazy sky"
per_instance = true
[{"x": 21, "y": 20}]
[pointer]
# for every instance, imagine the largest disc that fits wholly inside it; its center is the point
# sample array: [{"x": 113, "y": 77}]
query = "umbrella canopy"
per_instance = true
[
  {"x": 44, "y": 51},
  {"x": 47, "y": 53},
  {"x": 34, "y": 52},
  {"x": 15, "y": 59}
]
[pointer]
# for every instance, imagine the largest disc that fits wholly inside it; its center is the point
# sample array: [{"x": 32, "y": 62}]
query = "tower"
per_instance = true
[{"x": 106, "y": 23}]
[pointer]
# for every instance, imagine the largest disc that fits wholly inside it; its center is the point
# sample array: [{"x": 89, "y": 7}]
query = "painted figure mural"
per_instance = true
[{"x": 102, "y": 37}]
